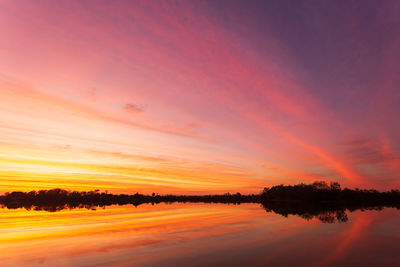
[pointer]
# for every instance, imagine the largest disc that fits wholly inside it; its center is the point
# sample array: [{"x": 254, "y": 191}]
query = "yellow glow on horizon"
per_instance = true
[{"x": 31, "y": 174}]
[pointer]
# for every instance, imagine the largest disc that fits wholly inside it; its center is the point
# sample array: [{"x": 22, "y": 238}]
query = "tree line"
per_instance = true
[{"x": 327, "y": 202}]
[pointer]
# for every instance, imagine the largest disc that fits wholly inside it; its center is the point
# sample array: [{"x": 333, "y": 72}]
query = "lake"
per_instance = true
[{"x": 196, "y": 235}]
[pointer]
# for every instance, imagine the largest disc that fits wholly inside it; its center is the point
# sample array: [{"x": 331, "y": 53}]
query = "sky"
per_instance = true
[{"x": 196, "y": 97}]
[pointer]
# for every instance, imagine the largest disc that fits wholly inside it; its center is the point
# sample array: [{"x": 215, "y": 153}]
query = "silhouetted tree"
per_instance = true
[{"x": 319, "y": 200}]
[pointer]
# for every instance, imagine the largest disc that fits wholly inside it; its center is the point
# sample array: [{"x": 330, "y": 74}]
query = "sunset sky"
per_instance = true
[{"x": 198, "y": 96}]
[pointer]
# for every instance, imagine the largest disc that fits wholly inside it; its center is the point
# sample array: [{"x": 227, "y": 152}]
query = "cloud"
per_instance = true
[
  {"x": 217, "y": 89},
  {"x": 368, "y": 151},
  {"x": 128, "y": 156},
  {"x": 133, "y": 108}
]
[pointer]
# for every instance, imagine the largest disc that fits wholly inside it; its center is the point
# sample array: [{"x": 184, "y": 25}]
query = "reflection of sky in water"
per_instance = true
[{"x": 194, "y": 234}]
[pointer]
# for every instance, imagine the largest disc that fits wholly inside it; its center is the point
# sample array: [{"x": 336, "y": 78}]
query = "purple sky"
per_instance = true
[{"x": 199, "y": 96}]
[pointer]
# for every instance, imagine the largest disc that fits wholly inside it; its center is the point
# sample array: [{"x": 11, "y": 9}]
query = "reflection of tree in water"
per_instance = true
[
  {"x": 328, "y": 203},
  {"x": 58, "y": 199},
  {"x": 326, "y": 214},
  {"x": 52, "y": 208}
]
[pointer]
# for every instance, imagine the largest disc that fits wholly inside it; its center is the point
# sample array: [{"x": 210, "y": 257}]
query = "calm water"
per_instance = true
[{"x": 195, "y": 235}]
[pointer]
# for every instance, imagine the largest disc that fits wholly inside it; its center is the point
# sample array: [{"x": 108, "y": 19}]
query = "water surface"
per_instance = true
[{"x": 196, "y": 235}]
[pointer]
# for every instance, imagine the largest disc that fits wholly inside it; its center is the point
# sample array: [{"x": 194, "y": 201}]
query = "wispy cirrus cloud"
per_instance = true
[{"x": 251, "y": 92}]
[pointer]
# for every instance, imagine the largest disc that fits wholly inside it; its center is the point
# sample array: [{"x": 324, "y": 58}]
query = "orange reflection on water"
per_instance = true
[
  {"x": 64, "y": 233},
  {"x": 180, "y": 234}
]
